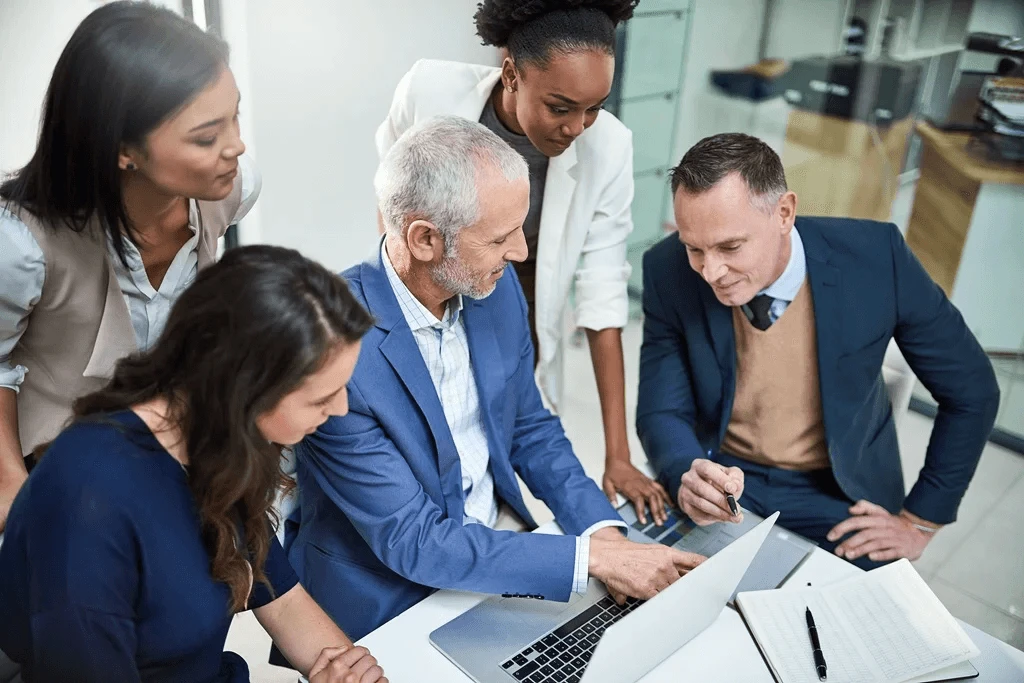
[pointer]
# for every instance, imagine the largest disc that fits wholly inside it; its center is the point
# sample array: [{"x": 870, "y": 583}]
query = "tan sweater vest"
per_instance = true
[
  {"x": 81, "y": 327},
  {"x": 776, "y": 415}
]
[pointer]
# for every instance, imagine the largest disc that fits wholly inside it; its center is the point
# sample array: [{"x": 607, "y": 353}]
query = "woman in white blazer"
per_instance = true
[{"x": 545, "y": 101}]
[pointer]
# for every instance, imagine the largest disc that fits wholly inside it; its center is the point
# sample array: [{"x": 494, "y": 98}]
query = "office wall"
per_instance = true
[
  {"x": 28, "y": 54},
  {"x": 32, "y": 35},
  {"x": 803, "y": 28},
  {"x": 724, "y": 34},
  {"x": 321, "y": 74},
  {"x": 1005, "y": 17}
]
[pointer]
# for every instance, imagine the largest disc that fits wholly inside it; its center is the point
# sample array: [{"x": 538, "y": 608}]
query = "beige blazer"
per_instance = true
[
  {"x": 585, "y": 219},
  {"x": 81, "y": 327}
]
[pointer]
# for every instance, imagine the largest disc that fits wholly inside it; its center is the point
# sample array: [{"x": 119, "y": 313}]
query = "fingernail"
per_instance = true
[{"x": 831, "y": 537}]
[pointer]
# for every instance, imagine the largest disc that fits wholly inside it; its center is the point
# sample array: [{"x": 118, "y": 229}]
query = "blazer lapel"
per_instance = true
[
  {"x": 559, "y": 187},
  {"x": 489, "y": 374},
  {"x": 115, "y": 337},
  {"x": 401, "y": 352},
  {"x": 719, "y": 320},
  {"x": 826, "y": 292},
  {"x": 207, "y": 252},
  {"x": 484, "y": 353},
  {"x": 723, "y": 341}
]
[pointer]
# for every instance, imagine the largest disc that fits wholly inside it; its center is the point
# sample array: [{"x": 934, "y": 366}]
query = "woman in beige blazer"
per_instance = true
[
  {"x": 546, "y": 102},
  {"x": 137, "y": 173}
]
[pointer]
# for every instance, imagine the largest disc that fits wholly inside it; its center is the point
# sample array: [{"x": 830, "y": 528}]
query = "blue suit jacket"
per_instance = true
[
  {"x": 867, "y": 288},
  {"x": 381, "y": 488}
]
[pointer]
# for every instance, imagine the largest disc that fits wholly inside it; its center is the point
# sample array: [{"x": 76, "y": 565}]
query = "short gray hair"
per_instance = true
[
  {"x": 430, "y": 174},
  {"x": 715, "y": 157}
]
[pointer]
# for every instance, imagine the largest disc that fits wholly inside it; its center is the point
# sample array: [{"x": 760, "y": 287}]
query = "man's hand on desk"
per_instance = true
[
  {"x": 703, "y": 489},
  {"x": 346, "y": 665},
  {"x": 621, "y": 477},
  {"x": 637, "y": 570},
  {"x": 880, "y": 535}
]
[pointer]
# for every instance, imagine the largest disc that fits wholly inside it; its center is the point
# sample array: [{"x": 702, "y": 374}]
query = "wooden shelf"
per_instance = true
[{"x": 952, "y": 147}]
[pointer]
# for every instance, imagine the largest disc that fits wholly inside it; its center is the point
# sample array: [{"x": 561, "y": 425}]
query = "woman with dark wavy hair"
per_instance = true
[
  {"x": 546, "y": 101},
  {"x": 147, "y": 523}
]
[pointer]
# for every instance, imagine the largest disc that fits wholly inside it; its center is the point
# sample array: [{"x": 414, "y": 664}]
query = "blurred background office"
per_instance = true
[{"x": 884, "y": 109}]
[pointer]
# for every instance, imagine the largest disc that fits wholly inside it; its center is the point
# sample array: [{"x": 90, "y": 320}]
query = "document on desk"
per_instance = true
[{"x": 885, "y": 625}]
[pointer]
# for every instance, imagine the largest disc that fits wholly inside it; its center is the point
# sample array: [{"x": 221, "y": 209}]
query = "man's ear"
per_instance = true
[
  {"x": 424, "y": 241},
  {"x": 787, "y": 210}
]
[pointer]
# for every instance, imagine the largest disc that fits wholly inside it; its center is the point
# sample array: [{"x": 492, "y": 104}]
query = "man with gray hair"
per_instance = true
[
  {"x": 761, "y": 365},
  {"x": 415, "y": 490}
]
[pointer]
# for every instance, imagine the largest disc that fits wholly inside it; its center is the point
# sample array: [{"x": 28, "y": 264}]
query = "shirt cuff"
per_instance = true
[
  {"x": 12, "y": 377},
  {"x": 581, "y": 574}
]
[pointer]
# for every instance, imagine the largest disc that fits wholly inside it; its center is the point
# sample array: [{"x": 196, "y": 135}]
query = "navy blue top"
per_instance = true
[{"x": 103, "y": 572}]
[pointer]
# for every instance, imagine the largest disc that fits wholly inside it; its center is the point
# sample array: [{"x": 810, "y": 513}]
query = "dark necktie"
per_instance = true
[{"x": 760, "y": 308}]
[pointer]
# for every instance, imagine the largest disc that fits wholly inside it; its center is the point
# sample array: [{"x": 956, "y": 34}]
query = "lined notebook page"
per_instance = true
[
  {"x": 777, "y": 621},
  {"x": 885, "y": 625}
]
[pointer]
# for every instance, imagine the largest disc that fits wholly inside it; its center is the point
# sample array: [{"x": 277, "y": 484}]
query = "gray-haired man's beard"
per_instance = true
[{"x": 454, "y": 276}]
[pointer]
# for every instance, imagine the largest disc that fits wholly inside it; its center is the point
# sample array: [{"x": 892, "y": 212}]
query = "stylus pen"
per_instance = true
[{"x": 819, "y": 658}]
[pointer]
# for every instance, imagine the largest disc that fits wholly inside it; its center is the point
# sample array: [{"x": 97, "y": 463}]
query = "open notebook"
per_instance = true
[{"x": 885, "y": 625}]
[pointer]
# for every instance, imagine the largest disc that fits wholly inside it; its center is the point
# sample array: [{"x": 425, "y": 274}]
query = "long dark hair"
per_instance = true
[
  {"x": 128, "y": 67},
  {"x": 246, "y": 333},
  {"x": 533, "y": 29}
]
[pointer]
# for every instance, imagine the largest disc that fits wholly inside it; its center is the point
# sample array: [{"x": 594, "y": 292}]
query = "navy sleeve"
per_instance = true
[
  {"x": 280, "y": 574},
  {"x": 86, "y": 568},
  {"x": 666, "y": 411},
  {"x": 949, "y": 361}
]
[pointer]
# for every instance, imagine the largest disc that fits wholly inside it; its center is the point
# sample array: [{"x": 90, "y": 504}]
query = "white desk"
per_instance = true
[{"x": 724, "y": 652}]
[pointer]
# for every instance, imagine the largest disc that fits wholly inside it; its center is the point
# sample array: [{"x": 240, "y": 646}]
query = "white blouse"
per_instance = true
[{"x": 23, "y": 270}]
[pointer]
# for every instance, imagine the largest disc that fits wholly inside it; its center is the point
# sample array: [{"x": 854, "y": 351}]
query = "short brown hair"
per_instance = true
[{"x": 715, "y": 157}]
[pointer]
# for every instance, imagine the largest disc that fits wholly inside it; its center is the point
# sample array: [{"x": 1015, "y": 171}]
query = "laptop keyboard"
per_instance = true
[
  {"x": 668, "y": 533},
  {"x": 562, "y": 655}
]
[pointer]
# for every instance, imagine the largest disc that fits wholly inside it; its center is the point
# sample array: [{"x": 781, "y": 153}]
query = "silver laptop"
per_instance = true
[
  {"x": 508, "y": 639},
  {"x": 782, "y": 553}
]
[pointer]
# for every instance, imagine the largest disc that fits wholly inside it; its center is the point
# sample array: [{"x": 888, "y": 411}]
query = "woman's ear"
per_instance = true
[
  {"x": 126, "y": 159},
  {"x": 509, "y": 75}
]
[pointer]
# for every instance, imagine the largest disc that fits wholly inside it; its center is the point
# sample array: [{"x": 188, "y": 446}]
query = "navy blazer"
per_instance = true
[
  {"x": 867, "y": 288},
  {"x": 382, "y": 505}
]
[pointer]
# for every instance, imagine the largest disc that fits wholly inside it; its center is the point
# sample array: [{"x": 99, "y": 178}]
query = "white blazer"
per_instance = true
[{"x": 585, "y": 218}]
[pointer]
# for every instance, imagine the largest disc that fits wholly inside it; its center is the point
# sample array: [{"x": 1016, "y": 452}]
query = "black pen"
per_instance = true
[
  {"x": 819, "y": 658},
  {"x": 733, "y": 507}
]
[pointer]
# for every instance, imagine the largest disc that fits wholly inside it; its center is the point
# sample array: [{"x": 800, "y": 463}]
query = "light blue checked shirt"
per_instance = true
[
  {"x": 445, "y": 350},
  {"x": 786, "y": 287}
]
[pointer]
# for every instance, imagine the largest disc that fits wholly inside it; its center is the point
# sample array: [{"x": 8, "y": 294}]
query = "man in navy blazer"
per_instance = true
[
  {"x": 760, "y": 371},
  {"x": 415, "y": 489}
]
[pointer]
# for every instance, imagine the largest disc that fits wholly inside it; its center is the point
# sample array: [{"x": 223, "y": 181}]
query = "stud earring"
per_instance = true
[{"x": 132, "y": 166}]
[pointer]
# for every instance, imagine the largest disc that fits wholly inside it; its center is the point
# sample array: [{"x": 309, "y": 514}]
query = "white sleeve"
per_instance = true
[
  {"x": 603, "y": 273},
  {"x": 24, "y": 269},
  {"x": 252, "y": 183}
]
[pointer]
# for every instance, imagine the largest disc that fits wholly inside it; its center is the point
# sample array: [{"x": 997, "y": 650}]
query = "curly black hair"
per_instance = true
[{"x": 532, "y": 29}]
